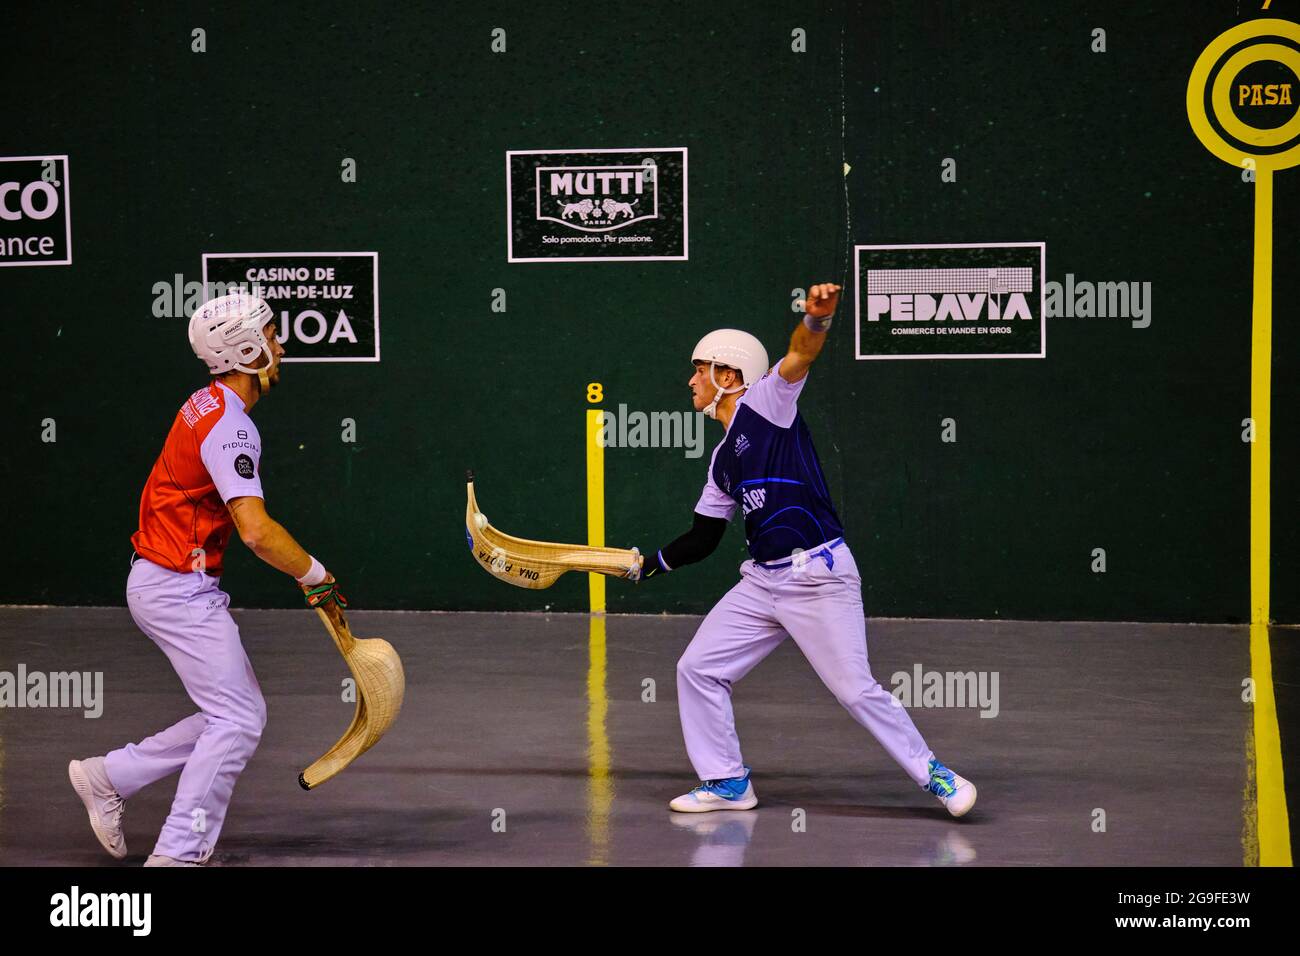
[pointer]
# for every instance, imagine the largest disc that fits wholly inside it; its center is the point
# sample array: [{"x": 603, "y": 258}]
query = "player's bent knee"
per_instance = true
[
  {"x": 688, "y": 669},
  {"x": 246, "y": 727},
  {"x": 256, "y": 721},
  {"x": 249, "y": 733},
  {"x": 693, "y": 675}
]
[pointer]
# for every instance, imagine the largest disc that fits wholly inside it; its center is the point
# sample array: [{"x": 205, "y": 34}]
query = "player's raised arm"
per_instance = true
[{"x": 810, "y": 334}]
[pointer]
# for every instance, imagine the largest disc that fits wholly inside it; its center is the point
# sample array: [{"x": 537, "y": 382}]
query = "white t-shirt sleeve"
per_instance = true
[
  {"x": 714, "y": 502},
  {"x": 232, "y": 453},
  {"x": 774, "y": 398}
]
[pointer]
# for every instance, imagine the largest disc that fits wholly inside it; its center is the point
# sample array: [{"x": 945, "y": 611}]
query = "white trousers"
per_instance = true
[
  {"x": 820, "y": 606},
  {"x": 187, "y": 616}
]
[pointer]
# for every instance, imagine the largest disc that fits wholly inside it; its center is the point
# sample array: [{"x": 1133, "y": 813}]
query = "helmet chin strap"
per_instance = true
[
  {"x": 264, "y": 382},
  {"x": 711, "y": 410}
]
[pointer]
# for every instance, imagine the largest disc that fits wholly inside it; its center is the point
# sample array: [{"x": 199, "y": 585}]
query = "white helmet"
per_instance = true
[
  {"x": 731, "y": 348},
  {"x": 226, "y": 333}
]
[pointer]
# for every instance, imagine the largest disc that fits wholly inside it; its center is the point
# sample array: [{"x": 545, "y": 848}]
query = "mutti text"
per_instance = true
[{"x": 625, "y": 181}]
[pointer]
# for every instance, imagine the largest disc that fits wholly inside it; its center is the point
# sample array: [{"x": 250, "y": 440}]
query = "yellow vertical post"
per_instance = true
[
  {"x": 595, "y": 504},
  {"x": 1261, "y": 151},
  {"x": 1273, "y": 824},
  {"x": 600, "y": 787}
]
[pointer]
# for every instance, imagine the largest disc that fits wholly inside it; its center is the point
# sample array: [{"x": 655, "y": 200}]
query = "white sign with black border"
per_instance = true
[
  {"x": 326, "y": 304},
  {"x": 33, "y": 191},
  {"x": 596, "y": 205},
  {"x": 970, "y": 300}
]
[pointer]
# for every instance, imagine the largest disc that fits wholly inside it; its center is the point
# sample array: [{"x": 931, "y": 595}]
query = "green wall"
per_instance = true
[{"x": 1122, "y": 438}]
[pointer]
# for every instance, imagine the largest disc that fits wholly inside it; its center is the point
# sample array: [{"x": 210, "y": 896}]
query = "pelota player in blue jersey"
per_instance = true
[{"x": 801, "y": 579}]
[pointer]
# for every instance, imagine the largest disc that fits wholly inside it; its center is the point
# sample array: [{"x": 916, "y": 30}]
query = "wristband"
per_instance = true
[
  {"x": 322, "y": 594},
  {"x": 817, "y": 323},
  {"x": 657, "y": 566},
  {"x": 315, "y": 574}
]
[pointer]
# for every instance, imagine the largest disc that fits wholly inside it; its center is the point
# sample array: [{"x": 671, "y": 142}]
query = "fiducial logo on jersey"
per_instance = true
[
  {"x": 326, "y": 304},
  {"x": 599, "y": 204},
  {"x": 967, "y": 300},
  {"x": 35, "y": 211}
]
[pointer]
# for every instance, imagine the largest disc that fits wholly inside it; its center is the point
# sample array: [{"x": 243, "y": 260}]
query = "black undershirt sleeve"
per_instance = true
[{"x": 695, "y": 545}]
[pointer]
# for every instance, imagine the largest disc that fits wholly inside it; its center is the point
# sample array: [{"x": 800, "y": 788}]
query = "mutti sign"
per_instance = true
[
  {"x": 596, "y": 205},
  {"x": 35, "y": 214}
]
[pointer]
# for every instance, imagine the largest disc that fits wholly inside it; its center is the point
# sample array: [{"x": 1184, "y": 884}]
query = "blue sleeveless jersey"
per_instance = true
[{"x": 766, "y": 465}]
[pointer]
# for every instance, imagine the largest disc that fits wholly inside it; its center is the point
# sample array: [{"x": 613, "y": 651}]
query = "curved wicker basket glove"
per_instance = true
[
  {"x": 535, "y": 564},
  {"x": 381, "y": 686}
]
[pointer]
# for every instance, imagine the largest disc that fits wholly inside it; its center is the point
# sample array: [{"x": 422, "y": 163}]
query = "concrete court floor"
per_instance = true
[{"x": 524, "y": 713}]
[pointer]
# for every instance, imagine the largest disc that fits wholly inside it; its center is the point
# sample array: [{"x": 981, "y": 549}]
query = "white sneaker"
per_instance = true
[
  {"x": 155, "y": 860},
  {"x": 103, "y": 804},
  {"x": 954, "y": 792},
  {"x": 736, "y": 793}
]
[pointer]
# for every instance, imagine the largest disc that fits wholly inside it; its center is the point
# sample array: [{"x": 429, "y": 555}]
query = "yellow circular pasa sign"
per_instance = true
[{"x": 1243, "y": 97}]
